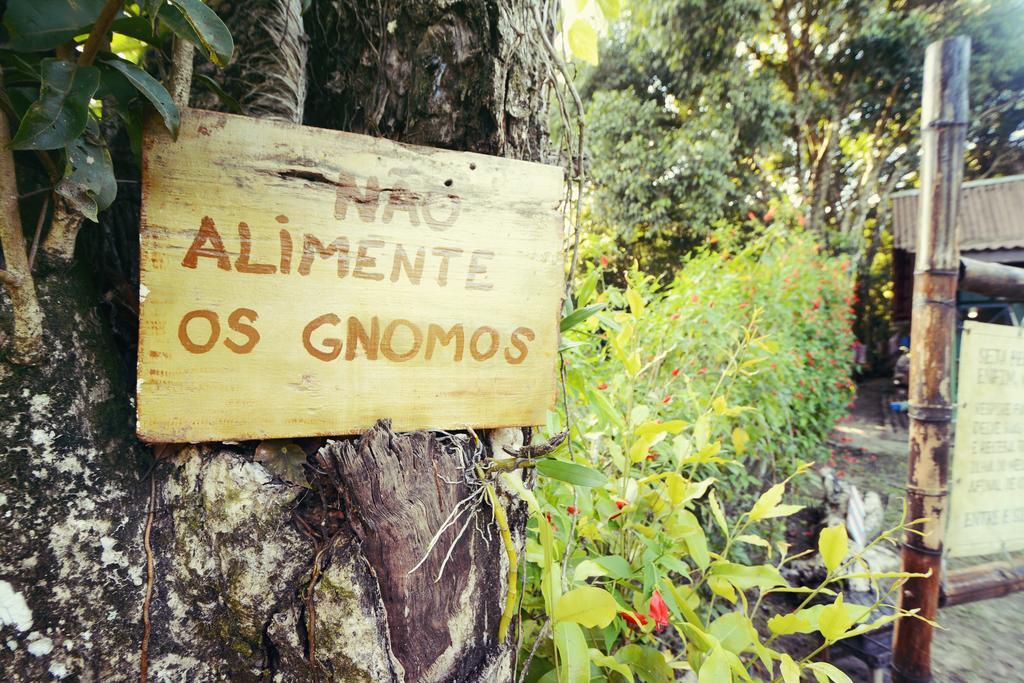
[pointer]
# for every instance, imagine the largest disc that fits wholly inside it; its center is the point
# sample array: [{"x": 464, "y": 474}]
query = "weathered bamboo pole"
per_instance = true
[
  {"x": 992, "y": 279},
  {"x": 933, "y": 324}
]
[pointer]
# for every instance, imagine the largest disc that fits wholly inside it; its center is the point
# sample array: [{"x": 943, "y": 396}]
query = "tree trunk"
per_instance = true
[{"x": 253, "y": 578}]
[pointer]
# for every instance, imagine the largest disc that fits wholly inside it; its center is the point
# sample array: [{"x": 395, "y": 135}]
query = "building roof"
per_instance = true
[{"x": 991, "y": 215}]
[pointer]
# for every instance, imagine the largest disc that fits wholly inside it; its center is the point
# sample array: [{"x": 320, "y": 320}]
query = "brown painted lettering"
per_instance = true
[
  {"x": 387, "y": 346},
  {"x": 285, "y": 238},
  {"x": 357, "y": 335},
  {"x": 332, "y": 345},
  {"x": 519, "y": 344},
  {"x": 437, "y": 335},
  {"x": 236, "y": 324},
  {"x": 453, "y": 211},
  {"x": 446, "y": 255},
  {"x": 311, "y": 247},
  {"x": 477, "y": 268},
  {"x": 401, "y": 199},
  {"x": 364, "y": 260},
  {"x": 415, "y": 272},
  {"x": 491, "y": 350},
  {"x": 366, "y": 202},
  {"x": 186, "y": 340},
  {"x": 207, "y": 233},
  {"x": 242, "y": 263}
]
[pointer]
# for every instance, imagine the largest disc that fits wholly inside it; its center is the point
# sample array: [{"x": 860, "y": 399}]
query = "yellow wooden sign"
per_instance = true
[
  {"x": 298, "y": 281},
  {"x": 987, "y": 489}
]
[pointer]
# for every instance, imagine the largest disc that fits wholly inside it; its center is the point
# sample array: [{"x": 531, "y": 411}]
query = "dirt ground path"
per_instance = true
[{"x": 982, "y": 642}]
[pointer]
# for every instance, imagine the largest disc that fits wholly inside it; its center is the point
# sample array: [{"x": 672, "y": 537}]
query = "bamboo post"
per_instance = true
[{"x": 933, "y": 327}]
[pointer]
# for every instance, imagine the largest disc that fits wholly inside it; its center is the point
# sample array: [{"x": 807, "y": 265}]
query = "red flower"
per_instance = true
[
  {"x": 571, "y": 510},
  {"x": 695, "y": 299},
  {"x": 769, "y": 214},
  {"x": 620, "y": 504},
  {"x": 604, "y": 260},
  {"x": 650, "y": 456},
  {"x": 841, "y": 473},
  {"x": 667, "y": 399},
  {"x": 658, "y": 610},
  {"x": 602, "y": 386},
  {"x": 675, "y": 373},
  {"x": 751, "y": 216},
  {"x": 635, "y": 621},
  {"x": 702, "y": 371},
  {"x": 675, "y": 316}
]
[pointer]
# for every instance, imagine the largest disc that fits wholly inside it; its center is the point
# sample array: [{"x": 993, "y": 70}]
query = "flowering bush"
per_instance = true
[{"x": 688, "y": 408}]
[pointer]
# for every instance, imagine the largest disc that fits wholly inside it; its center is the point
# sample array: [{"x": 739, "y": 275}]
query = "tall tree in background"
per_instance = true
[
  {"x": 746, "y": 103},
  {"x": 197, "y": 561}
]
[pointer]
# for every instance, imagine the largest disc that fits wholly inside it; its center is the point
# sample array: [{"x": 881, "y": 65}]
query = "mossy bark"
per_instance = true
[{"x": 235, "y": 590}]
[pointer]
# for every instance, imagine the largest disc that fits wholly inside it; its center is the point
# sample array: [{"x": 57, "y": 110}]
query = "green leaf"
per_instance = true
[
  {"x": 734, "y": 631},
  {"x": 767, "y": 506},
  {"x": 719, "y": 514},
  {"x": 151, "y": 89},
  {"x": 588, "y": 606},
  {"x": 579, "y": 315},
  {"x": 610, "y": 663},
  {"x": 833, "y": 545},
  {"x": 835, "y": 620},
  {"x": 647, "y": 663},
  {"x": 790, "y": 670},
  {"x": 88, "y": 183},
  {"x": 830, "y": 670},
  {"x": 715, "y": 668},
  {"x": 232, "y": 105},
  {"x": 570, "y": 472},
  {"x": 62, "y": 110},
  {"x": 573, "y": 653},
  {"x": 285, "y": 460},
  {"x": 583, "y": 42},
  {"x": 636, "y": 302},
  {"x": 193, "y": 21},
  {"x": 151, "y": 9},
  {"x": 610, "y": 8},
  {"x": 740, "y": 439},
  {"x": 794, "y": 622},
  {"x": 616, "y": 566},
  {"x": 744, "y": 577},
  {"x": 36, "y": 25}
]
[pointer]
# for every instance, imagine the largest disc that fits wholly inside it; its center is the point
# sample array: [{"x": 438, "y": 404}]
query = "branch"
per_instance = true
[
  {"x": 28, "y": 318},
  {"x": 181, "y": 72},
  {"x": 98, "y": 35}
]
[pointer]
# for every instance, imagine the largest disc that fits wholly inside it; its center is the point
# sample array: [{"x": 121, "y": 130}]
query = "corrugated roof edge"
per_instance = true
[{"x": 967, "y": 184}]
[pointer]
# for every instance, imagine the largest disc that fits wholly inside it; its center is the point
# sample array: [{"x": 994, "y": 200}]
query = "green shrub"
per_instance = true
[{"x": 689, "y": 409}]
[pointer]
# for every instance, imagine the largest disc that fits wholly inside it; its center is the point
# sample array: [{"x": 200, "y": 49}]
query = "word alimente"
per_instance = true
[{"x": 298, "y": 281}]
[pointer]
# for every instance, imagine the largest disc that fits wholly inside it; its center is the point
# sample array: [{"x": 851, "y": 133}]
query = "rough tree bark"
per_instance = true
[{"x": 253, "y": 578}]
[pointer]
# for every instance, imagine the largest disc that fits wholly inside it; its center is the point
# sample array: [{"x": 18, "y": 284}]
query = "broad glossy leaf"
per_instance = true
[
  {"x": 588, "y": 606},
  {"x": 734, "y": 631},
  {"x": 36, "y": 25},
  {"x": 62, "y": 110},
  {"x": 151, "y": 89},
  {"x": 88, "y": 183},
  {"x": 833, "y": 544},
  {"x": 647, "y": 663},
  {"x": 193, "y": 21},
  {"x": 573, "y": 653},
  {"x": 610, "y": 663},
  {"x": 715, "y": 668},
  {"x": 570, "y": 472}
]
